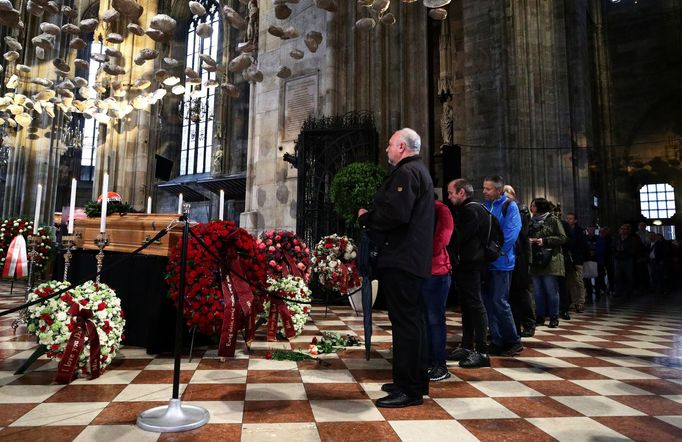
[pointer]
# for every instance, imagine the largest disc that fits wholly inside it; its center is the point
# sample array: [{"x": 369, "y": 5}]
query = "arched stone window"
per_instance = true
[
  {"x": 199, "y": 102},
  {"x": 657, "y": 201},
  {"x": 90, "y": 126}
]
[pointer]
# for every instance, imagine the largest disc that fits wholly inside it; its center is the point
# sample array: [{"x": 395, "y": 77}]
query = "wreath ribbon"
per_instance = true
[
  {"x": 279, "y": 309},
  {"x": 16, "y": 263},
  {"x": 84, "y": 328},
  {"x": 295, "y": 271},
  {"x": 238, "y": 298}
]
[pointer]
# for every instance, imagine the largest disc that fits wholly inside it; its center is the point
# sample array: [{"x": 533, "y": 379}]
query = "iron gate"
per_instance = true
[{"x": 324, "y": 146}]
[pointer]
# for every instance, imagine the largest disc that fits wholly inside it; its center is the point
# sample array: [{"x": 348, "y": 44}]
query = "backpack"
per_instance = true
[{"x": 492, "y": 237}]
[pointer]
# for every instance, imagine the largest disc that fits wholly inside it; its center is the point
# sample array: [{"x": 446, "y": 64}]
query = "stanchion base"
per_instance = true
[{"x": 173, "y": 418}]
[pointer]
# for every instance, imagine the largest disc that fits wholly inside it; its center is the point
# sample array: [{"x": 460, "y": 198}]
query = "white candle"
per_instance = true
[
  {"x": 149, "y": 204},
  {"x": 37, "y": 214},
  {"x": 72, "y": 205},
  {"x": 180, "y": 204},
  {"x": 105, "y": 200},
  {"x": 221, "y": 207}
]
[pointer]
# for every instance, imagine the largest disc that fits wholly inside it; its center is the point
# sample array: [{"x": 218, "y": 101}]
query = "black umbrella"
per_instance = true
[{"x": 366, "y": 258}]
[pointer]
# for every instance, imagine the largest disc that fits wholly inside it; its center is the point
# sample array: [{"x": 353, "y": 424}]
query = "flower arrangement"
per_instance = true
[
  {"x": 55, "y": 320},
  {"x": 334, "y": 262},
  {"x": 331, "y": 342},
  {"x": 286, "y": 254},
  {"x": 284, "y": 317},
  {"x": 9, "y": 228},
  {"x": 204, "y": 300}
]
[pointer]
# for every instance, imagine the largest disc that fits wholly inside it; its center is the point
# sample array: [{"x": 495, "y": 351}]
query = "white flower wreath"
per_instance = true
[
  {"x": 51, "y": 323},
  {"x": 334, "y": 262},
  {"x": 294, "y": 288}
]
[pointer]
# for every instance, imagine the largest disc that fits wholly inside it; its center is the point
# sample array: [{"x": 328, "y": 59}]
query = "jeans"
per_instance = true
[
  {"x": 496, "y": 300},
  {"x": 546, "y": 289},
  {"x": 406, "y": 313},
  {"x": 474, "y": 317},
  {"x": 435, "y": 295}
]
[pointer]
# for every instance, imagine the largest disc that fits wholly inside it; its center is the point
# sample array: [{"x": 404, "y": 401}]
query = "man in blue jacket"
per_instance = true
[{"x": 505, "y": 339}]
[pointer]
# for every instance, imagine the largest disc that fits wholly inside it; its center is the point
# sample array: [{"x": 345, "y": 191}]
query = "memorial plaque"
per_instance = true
[{"x": 300, "y": 101}]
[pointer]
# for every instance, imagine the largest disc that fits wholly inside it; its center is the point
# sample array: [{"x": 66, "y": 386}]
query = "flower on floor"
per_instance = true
[
  {"x": 204, "y": 299},
  {"x": 55, "y": 320},
  {"x": 11, "y": 227},
  {"x": 331, "y": 342},
  {"x": 288, "y": 304},
  {"x": 286, "y": 254},
  {"x": 334, "y": 262}
]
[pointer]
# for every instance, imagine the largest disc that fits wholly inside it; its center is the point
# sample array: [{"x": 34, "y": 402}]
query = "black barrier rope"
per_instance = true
[{"x": 157, "y": 237}]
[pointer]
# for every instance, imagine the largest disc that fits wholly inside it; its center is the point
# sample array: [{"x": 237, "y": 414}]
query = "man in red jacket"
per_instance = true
[{"x": 435, "y": 293}]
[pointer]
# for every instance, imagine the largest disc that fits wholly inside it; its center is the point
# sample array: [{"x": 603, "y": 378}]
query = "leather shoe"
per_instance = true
[
  {"x": 399, "y": 400},
  {"x": 566, "y": 316},
  {"x": 392, "y": 388}
]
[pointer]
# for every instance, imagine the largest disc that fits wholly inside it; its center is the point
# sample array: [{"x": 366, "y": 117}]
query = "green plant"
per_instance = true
[
  {"x": 354, "y": 187},
  {"x": 93, "y": 209}
]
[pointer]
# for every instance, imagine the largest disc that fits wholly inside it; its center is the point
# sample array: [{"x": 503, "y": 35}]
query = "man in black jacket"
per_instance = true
[
  {"x": 401, "y": 224},
  {"x": 467, "y": 249}
]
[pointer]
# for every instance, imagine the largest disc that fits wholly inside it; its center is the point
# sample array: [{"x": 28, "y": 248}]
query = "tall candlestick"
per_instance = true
[
  {"x": 180, "y": 204},
  {"x": 37, "y": 214},
  {"x": 221, "y": 207},
  {"x": 72, "y": 205},
  {"x": 105, "y": 200},
  {"x": 149, "y": 204}
]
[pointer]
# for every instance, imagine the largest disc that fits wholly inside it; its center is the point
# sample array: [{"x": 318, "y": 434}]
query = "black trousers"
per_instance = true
[
  {"x": 522, "y": 304},
  {"x": 402, "y": 292},
  {"x": 474, "y": 316},
  {"x": 564, "y": 296}
]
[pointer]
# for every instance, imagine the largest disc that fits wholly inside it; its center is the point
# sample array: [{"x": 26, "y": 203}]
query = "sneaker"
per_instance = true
[
  {"x": 458, "y": 354},
  {"x": 475, "y": 360},
  {"x": 513, "y": 350},
  {"x": 564, "y": 315},
  {"x": 579, "y": 308},
  {"x": 439, "y": 373},
  {"x": 528, "y": 332},
  {"x": 553, "y": 322}
]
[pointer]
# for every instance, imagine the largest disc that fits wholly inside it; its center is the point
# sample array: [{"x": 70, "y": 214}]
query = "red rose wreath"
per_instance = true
[{"x": 218, "y": 301}]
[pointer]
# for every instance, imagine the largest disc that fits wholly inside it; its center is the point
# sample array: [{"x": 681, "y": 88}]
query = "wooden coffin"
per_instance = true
[{"x": 129, "y": 231}]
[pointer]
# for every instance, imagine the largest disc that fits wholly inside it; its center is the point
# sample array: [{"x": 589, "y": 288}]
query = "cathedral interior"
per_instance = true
[{"x": 247, "y": 108}]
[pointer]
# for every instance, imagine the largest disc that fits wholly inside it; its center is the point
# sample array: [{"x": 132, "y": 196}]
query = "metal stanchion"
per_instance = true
[{"x": 175, "y": 416}]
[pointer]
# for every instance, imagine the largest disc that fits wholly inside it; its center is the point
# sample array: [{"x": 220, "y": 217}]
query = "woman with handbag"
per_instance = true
[{"x": 547, "y": 262}]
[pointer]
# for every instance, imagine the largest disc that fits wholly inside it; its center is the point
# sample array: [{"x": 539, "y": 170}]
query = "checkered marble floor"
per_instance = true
[{"x": 608, "y": 374}]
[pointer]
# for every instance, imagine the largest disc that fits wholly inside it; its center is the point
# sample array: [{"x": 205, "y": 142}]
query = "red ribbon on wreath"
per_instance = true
[
  {"x": 84, "y": 328},
  {"x": 236, "y": 293},
  {"x": 291, "y": 264},
  {"x": 278, "y": 308},
  {"x": 347, "y": 282}
]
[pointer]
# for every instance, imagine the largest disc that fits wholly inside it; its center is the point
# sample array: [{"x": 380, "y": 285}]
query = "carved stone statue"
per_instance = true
[
  {"x": 447, "y": 122},
  {"x": 217, "y": 161},
  {"x": 252, "y": 26}
]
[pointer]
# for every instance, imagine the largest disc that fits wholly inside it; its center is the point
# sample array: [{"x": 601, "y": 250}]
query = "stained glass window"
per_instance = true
[{"x": 198, "y": 101}]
